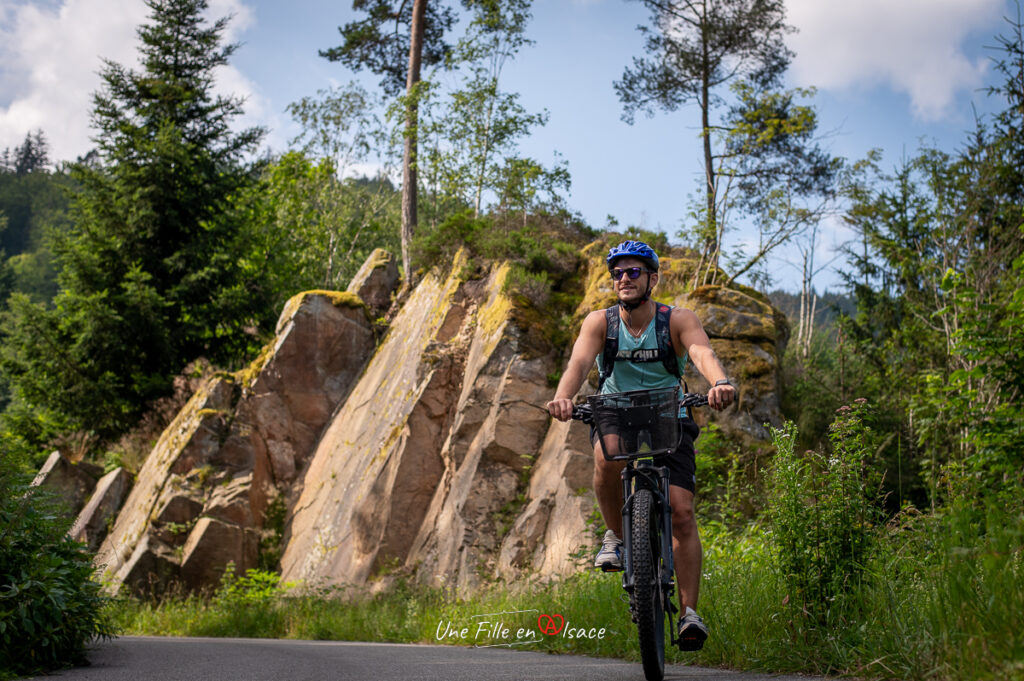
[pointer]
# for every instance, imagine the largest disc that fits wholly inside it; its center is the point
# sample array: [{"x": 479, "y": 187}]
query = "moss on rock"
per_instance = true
[
  {"x": 379, "y": 258},
  {"x": 497, "y": 310},
  {"x": 247, "y": 376}
]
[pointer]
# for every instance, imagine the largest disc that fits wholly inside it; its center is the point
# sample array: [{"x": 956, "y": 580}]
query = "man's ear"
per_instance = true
[{"x": 654, "y": 279}]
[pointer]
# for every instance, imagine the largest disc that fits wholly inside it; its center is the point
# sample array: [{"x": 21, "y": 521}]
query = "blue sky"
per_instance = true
[{"x": 889, "y": 73}]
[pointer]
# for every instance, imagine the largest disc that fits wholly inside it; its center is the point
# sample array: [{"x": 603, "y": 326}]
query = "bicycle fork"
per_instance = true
[
  {"x": 659, "y": 491},
  {"x": 668, "y": 565}
]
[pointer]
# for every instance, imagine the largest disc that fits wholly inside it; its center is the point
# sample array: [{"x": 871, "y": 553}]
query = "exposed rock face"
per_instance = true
[
  {"x": 150, "y": 569},
  {"x": 211, "y": 545},
  {"x": 191, "y": 440},
  {"x": 749, "y": 337},
  {"x": 376, "y": 281},
  {"x": 434, "y": 457},
  {"x": 200, "y": 498},
  {"x": 430, "y": 446},
  {"x": 497, "y": 432},
  {"x": 72, "y": 482},
  {"x": 323, "y": 342},
  {"x": 547, "y": 536},
  {"x": 91, "y": 525},
  {"x": 385, "y": 438}
]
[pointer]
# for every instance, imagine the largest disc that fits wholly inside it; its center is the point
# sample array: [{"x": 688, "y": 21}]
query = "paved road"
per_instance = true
[{"x": 142, "y": 658}]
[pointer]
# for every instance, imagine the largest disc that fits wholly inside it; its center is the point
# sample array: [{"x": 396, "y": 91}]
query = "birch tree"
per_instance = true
[{"x": 475, "y": 128}]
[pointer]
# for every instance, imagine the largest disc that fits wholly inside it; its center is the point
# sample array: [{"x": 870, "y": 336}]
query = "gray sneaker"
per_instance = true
[
  {"x": 609, "y": 558},
  {"x": 692, "y": 632}
]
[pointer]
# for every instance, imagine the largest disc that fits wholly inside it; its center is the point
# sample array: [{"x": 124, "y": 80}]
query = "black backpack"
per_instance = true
[{"x": 665, "y": 353}]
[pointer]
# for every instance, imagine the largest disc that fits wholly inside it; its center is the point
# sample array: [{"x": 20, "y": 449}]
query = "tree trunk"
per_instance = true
[
  {"x": 809, "y": 327},
  {"x": 713, "y": 243},
  {"x": 803, "y": 306},
  {"x": 483, "y": 156},
  {"x": 411, "y": 136}
]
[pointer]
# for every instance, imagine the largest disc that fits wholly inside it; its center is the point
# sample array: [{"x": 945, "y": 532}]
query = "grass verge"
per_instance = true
[{"x": 941, "y": 599}]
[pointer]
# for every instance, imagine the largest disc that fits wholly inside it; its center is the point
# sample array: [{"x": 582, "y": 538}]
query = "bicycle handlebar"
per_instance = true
[{"x": 585, "y": 413}]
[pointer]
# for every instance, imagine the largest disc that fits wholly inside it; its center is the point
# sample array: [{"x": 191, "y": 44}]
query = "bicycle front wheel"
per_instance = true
[{"x": 647, "y": 601}]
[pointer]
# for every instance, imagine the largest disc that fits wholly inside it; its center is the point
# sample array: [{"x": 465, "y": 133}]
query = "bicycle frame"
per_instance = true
[
  {"x": 646, "y": 474},
  {"x": 643, "y": 472}
]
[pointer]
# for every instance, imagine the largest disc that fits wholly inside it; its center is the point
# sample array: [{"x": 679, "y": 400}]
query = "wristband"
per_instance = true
[{"x": 724, "y": 381}]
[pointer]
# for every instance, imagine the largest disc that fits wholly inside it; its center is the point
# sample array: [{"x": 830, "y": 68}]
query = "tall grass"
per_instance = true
[
  {"x": 947, "y": 597},
  {"x": 819, "y": 584},
  {"x": 942, "y": 597}
]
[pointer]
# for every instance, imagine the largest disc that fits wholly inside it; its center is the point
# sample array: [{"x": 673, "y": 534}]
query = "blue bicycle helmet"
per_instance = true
[
  {"x": 633, "y": 249},
  {"x": 642, "y": 252}
]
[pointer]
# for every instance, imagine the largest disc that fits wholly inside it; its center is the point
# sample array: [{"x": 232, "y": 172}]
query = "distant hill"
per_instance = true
[{"x": 828, "y": 308}]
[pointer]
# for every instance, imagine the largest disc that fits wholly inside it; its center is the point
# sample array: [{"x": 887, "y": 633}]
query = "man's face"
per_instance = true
[{"x": 627, "y": 289}]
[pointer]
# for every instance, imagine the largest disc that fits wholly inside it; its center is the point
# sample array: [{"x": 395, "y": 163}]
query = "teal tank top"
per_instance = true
[{"x": 638, "y": 375}]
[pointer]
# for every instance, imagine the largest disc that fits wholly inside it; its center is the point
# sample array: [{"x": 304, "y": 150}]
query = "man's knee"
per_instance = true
[
  {"x": 605, "y": 470},
  {"x": 684, "y": 522}
]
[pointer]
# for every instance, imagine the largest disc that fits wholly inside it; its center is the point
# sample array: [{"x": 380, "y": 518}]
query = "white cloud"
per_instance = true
[
  {"x": 240, "y": 17},
  {"x": 51, "y": 55},
  {"x": 50, "y": 58},
  {"x": 911, "y": 46}
]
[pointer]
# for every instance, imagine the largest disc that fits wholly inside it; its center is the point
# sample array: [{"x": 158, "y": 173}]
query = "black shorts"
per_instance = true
[{"x": 682, "y": 463}]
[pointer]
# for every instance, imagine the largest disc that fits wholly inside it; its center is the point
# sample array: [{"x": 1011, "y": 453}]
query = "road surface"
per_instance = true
[{"x": 138, "y": 658}]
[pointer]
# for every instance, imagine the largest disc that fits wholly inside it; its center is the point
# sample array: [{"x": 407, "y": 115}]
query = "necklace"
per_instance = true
[{"x": 629, "y": 326}]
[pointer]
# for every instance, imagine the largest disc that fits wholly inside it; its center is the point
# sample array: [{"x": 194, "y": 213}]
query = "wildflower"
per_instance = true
[{"x": 861, "y": 400}]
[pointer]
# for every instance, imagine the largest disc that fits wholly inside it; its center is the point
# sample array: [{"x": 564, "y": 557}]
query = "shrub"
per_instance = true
[
  {"x": 49, "y": 606},
  {"x": 823, "y": 512},
  {"x": 254, "y": 587},
  {"x": 547, "y": 244},
  {"x": 727, "y": 489},
  {"x": 535, "y": 287}
]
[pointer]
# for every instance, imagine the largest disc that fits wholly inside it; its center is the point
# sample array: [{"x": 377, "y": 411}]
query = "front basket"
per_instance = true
[{"x": 639, "y": 423}]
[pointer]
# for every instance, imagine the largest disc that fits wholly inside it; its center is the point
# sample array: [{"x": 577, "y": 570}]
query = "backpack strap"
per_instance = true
[
  {"x": 667, "y": 353},
  {"x": 611, "y": 344}
]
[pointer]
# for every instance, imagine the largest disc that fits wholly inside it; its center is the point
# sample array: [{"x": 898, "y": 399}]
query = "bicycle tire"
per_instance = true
[{"x": 649, "y": 607}]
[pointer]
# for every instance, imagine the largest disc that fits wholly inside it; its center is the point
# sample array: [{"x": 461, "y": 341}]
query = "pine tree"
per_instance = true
[
  {"x": 149, "y": 273},
  {"x": 762, "y": 143},
  {"x": 32, "y": 155},
  {"x": 376, "y": 43}
]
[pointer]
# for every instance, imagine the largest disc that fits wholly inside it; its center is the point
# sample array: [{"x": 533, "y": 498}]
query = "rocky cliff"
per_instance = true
[
  {"x": 426, "y": 452},
  {"x": 201, "y": 498}
]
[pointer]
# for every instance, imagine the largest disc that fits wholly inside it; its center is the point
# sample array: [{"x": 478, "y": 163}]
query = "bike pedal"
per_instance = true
[
  {"x": 691, "y": 644},
  {"x": 610, "y": 568}
]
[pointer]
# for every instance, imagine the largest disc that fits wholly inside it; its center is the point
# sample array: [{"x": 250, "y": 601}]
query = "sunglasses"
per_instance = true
[{"x": 631, "y": 272}]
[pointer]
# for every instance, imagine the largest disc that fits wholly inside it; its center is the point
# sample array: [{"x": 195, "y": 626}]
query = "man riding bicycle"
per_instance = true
[{"x": 636, "y": 358}]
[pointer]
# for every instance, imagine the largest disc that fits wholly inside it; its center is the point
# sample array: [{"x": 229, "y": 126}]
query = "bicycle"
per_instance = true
[{"x": 639, "y": 427}]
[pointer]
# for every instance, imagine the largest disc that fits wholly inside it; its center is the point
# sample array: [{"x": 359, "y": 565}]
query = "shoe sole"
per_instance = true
[{"x": 692, "y": 641}]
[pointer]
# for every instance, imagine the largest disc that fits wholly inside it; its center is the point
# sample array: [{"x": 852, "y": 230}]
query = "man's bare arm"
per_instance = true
[
  {"x": 691, "y": 335},
  {"x": 584, "y": 351}
]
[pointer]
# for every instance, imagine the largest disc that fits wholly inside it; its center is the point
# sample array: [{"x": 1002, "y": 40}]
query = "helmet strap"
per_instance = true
[{"x": 641, "y": 301}]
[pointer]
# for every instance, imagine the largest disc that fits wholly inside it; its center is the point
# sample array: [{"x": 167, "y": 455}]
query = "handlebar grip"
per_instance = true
[
  {"x": 693, "y": 400},
  {"x": 583, "y": 412}
]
